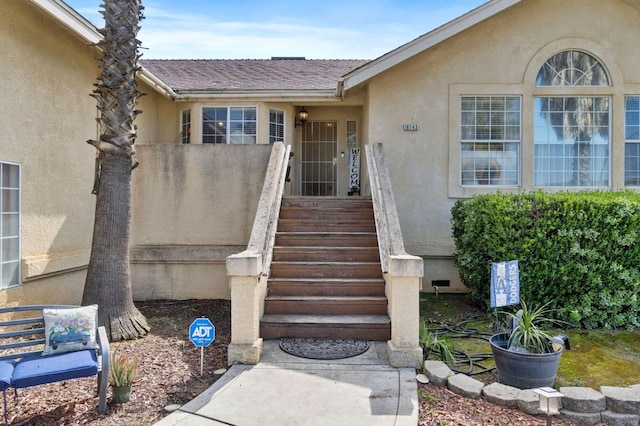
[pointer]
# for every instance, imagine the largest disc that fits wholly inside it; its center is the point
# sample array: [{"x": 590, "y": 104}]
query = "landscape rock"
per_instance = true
[
  {"x": 528, "y": 401},
  {"x": 581, "y": 418},
  {"x": 500, "y": 394},
  {"x": 622, "y": 400},
  {"x": 583, "y": 400},
  {"x": 619, "y": 419},
  {"x": 438, "y": 372},
  {"x": 465, "y": 386}
]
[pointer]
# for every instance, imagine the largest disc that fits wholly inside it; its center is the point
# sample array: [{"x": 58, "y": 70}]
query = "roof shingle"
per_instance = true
[{"x": 251, "y": 74}]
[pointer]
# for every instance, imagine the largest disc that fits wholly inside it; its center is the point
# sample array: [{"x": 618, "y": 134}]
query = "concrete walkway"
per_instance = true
[{"x": 286, "y": 390}]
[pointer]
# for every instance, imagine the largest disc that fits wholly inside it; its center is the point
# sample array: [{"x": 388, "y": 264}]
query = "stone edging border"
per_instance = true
[{"x": 615, "y": 406}]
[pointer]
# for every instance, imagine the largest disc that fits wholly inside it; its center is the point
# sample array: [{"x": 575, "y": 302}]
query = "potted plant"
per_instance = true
[
  {"x": 123, "y": 371},
  {"x": 528, "y": 356}
]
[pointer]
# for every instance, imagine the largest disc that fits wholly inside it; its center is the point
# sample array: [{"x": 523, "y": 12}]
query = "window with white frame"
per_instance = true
[
  {"x": 571, "y": 130},
  {"x": 230, "y": 125},
  {"x": 490, "y": 140},
  {"x": 9, "y": 225},
  {"x": 276, "y": 125},
  {"x": 185, "y": 127},
  {"x": 632, "y": 141}
]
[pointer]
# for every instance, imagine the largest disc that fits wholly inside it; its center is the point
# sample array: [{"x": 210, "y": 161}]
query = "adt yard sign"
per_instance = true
[{"x": 202, "y": 332}]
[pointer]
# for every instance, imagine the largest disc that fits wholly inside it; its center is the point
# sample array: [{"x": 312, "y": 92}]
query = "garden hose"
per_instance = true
[{"x": 462, "y": 331}]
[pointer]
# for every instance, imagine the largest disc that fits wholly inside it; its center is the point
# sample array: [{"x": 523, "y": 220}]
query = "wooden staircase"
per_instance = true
[{"x": 326, "y": 280}]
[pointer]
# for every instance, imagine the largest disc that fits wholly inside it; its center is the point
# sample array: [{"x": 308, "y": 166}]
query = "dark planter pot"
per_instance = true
[
  {"x": 522, "y": 370},
  {"x": 121, "y": 394}
]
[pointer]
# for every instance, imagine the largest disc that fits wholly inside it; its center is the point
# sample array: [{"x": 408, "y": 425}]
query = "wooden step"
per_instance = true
[
  {"x": 366, "y": 327},
  {"x": 326, "y": 305},
  {"x": 334, "y": 209},
  {"x": 326, "y": 270},
  {"x": 325, "y": 279},
  {"x": 335, "y": 215},
  {"x": 328, "y": 202},
  {"x": 314, "y": 225},
  {"x": 326, "y": 254},
  {"x": 326, "y": 287},
  {"x": 327, "y": 239}
]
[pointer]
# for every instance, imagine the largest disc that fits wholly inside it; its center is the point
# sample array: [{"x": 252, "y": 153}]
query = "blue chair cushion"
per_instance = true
[
  {"x": 38, "y": 370},
  {"x": 6, "y": 371}
]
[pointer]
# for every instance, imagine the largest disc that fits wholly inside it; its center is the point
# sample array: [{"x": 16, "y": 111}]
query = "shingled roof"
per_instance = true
[{"x": 252, "y": 75}]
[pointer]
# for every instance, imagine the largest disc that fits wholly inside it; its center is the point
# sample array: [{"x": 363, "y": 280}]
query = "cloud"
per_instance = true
[
  {"x": 363, "y": 29},
  {"x": 172, "y": 36}
]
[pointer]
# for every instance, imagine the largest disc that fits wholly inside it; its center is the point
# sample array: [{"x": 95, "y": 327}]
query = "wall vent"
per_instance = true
[{"x": 440, "y": 283}]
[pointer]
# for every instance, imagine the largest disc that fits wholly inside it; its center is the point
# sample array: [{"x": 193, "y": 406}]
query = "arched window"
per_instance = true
[
  {"x": 571, "y": 129},
  {"x": 572, "y": 68}
]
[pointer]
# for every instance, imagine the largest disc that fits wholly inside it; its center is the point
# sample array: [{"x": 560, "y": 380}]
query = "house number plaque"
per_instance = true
[{"x": 410, "y": 127}]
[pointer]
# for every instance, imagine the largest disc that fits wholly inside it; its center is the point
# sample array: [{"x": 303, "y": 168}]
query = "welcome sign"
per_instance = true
[
  {"x": 505, "y": 284},
  {"x": 354, "y": 168}
]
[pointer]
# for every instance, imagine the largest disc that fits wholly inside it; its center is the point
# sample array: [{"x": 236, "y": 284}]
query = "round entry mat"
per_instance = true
[{"x": 323, "y": 348}]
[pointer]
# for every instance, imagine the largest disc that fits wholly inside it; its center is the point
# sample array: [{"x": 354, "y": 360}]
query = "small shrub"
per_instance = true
[{"x": 578, "y": 252}]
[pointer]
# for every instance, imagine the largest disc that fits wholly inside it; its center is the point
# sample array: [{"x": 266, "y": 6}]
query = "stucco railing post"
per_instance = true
[
  {"x": 248, "y": 271},
  {"x": 402, "y": 272},
  {"x": 244, "y": 270},
  {"x": 402, "y": 287}
]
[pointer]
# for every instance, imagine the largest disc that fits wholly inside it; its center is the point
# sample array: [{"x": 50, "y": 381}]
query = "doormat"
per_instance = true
[{"x": 323, "y": 348}]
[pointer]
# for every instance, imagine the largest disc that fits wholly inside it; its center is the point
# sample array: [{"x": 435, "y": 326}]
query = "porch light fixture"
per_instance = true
[
  {"x": 549, "y": 402},
  {"x": 302, "y": 116}
]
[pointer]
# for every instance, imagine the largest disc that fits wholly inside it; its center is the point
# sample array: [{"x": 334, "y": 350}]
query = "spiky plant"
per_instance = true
[
  {"x": 108, "y": 281},
  {"x": 124, "y": 368},
  {"x": 529, "y": 329},
  {"x": 431, "y": 342}
]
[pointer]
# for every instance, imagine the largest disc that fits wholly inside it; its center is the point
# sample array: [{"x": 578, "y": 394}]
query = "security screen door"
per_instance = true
[{"x": 319, "y": 158}]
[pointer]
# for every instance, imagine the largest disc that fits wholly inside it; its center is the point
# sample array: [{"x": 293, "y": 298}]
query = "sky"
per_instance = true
[{"x": 259, "y": 29}]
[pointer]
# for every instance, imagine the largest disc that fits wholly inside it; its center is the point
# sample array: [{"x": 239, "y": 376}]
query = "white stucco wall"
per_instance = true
[
  {"x": 159, "y": 122},
  {"x": 46, "y": 76},
  {"x": 193, "y": 205},
  {"x": 47, "y": 115},
  {"x": 499, "y": 56}
]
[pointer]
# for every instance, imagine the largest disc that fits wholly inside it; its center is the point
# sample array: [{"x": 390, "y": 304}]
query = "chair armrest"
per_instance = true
[
  {"x": 105, "y": 370},
  {"x": 103, "y": 348}
]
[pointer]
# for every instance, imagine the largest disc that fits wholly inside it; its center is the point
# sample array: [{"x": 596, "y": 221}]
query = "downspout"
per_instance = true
[{"x": 340, "y": 89}]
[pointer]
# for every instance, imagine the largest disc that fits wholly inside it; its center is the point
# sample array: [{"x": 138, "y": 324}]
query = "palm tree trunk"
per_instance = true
[
  {"x": 108, "y": 277},
  {"x": 108, "y": 282}
]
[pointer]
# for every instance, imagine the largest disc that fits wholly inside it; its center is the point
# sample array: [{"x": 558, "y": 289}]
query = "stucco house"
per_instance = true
[{"x": 515, "y": 96}]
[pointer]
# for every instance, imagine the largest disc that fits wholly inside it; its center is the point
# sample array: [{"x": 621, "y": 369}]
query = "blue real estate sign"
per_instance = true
[
  {"x": 202, "y": 332},
  {"x": 505, "y": 284}
]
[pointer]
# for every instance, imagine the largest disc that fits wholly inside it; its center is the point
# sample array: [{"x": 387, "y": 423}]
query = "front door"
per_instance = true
[{"x": 319, "y": 158}]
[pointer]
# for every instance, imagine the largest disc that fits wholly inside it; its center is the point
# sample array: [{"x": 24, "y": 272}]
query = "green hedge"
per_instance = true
[{"x": 580, "y": 251}]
